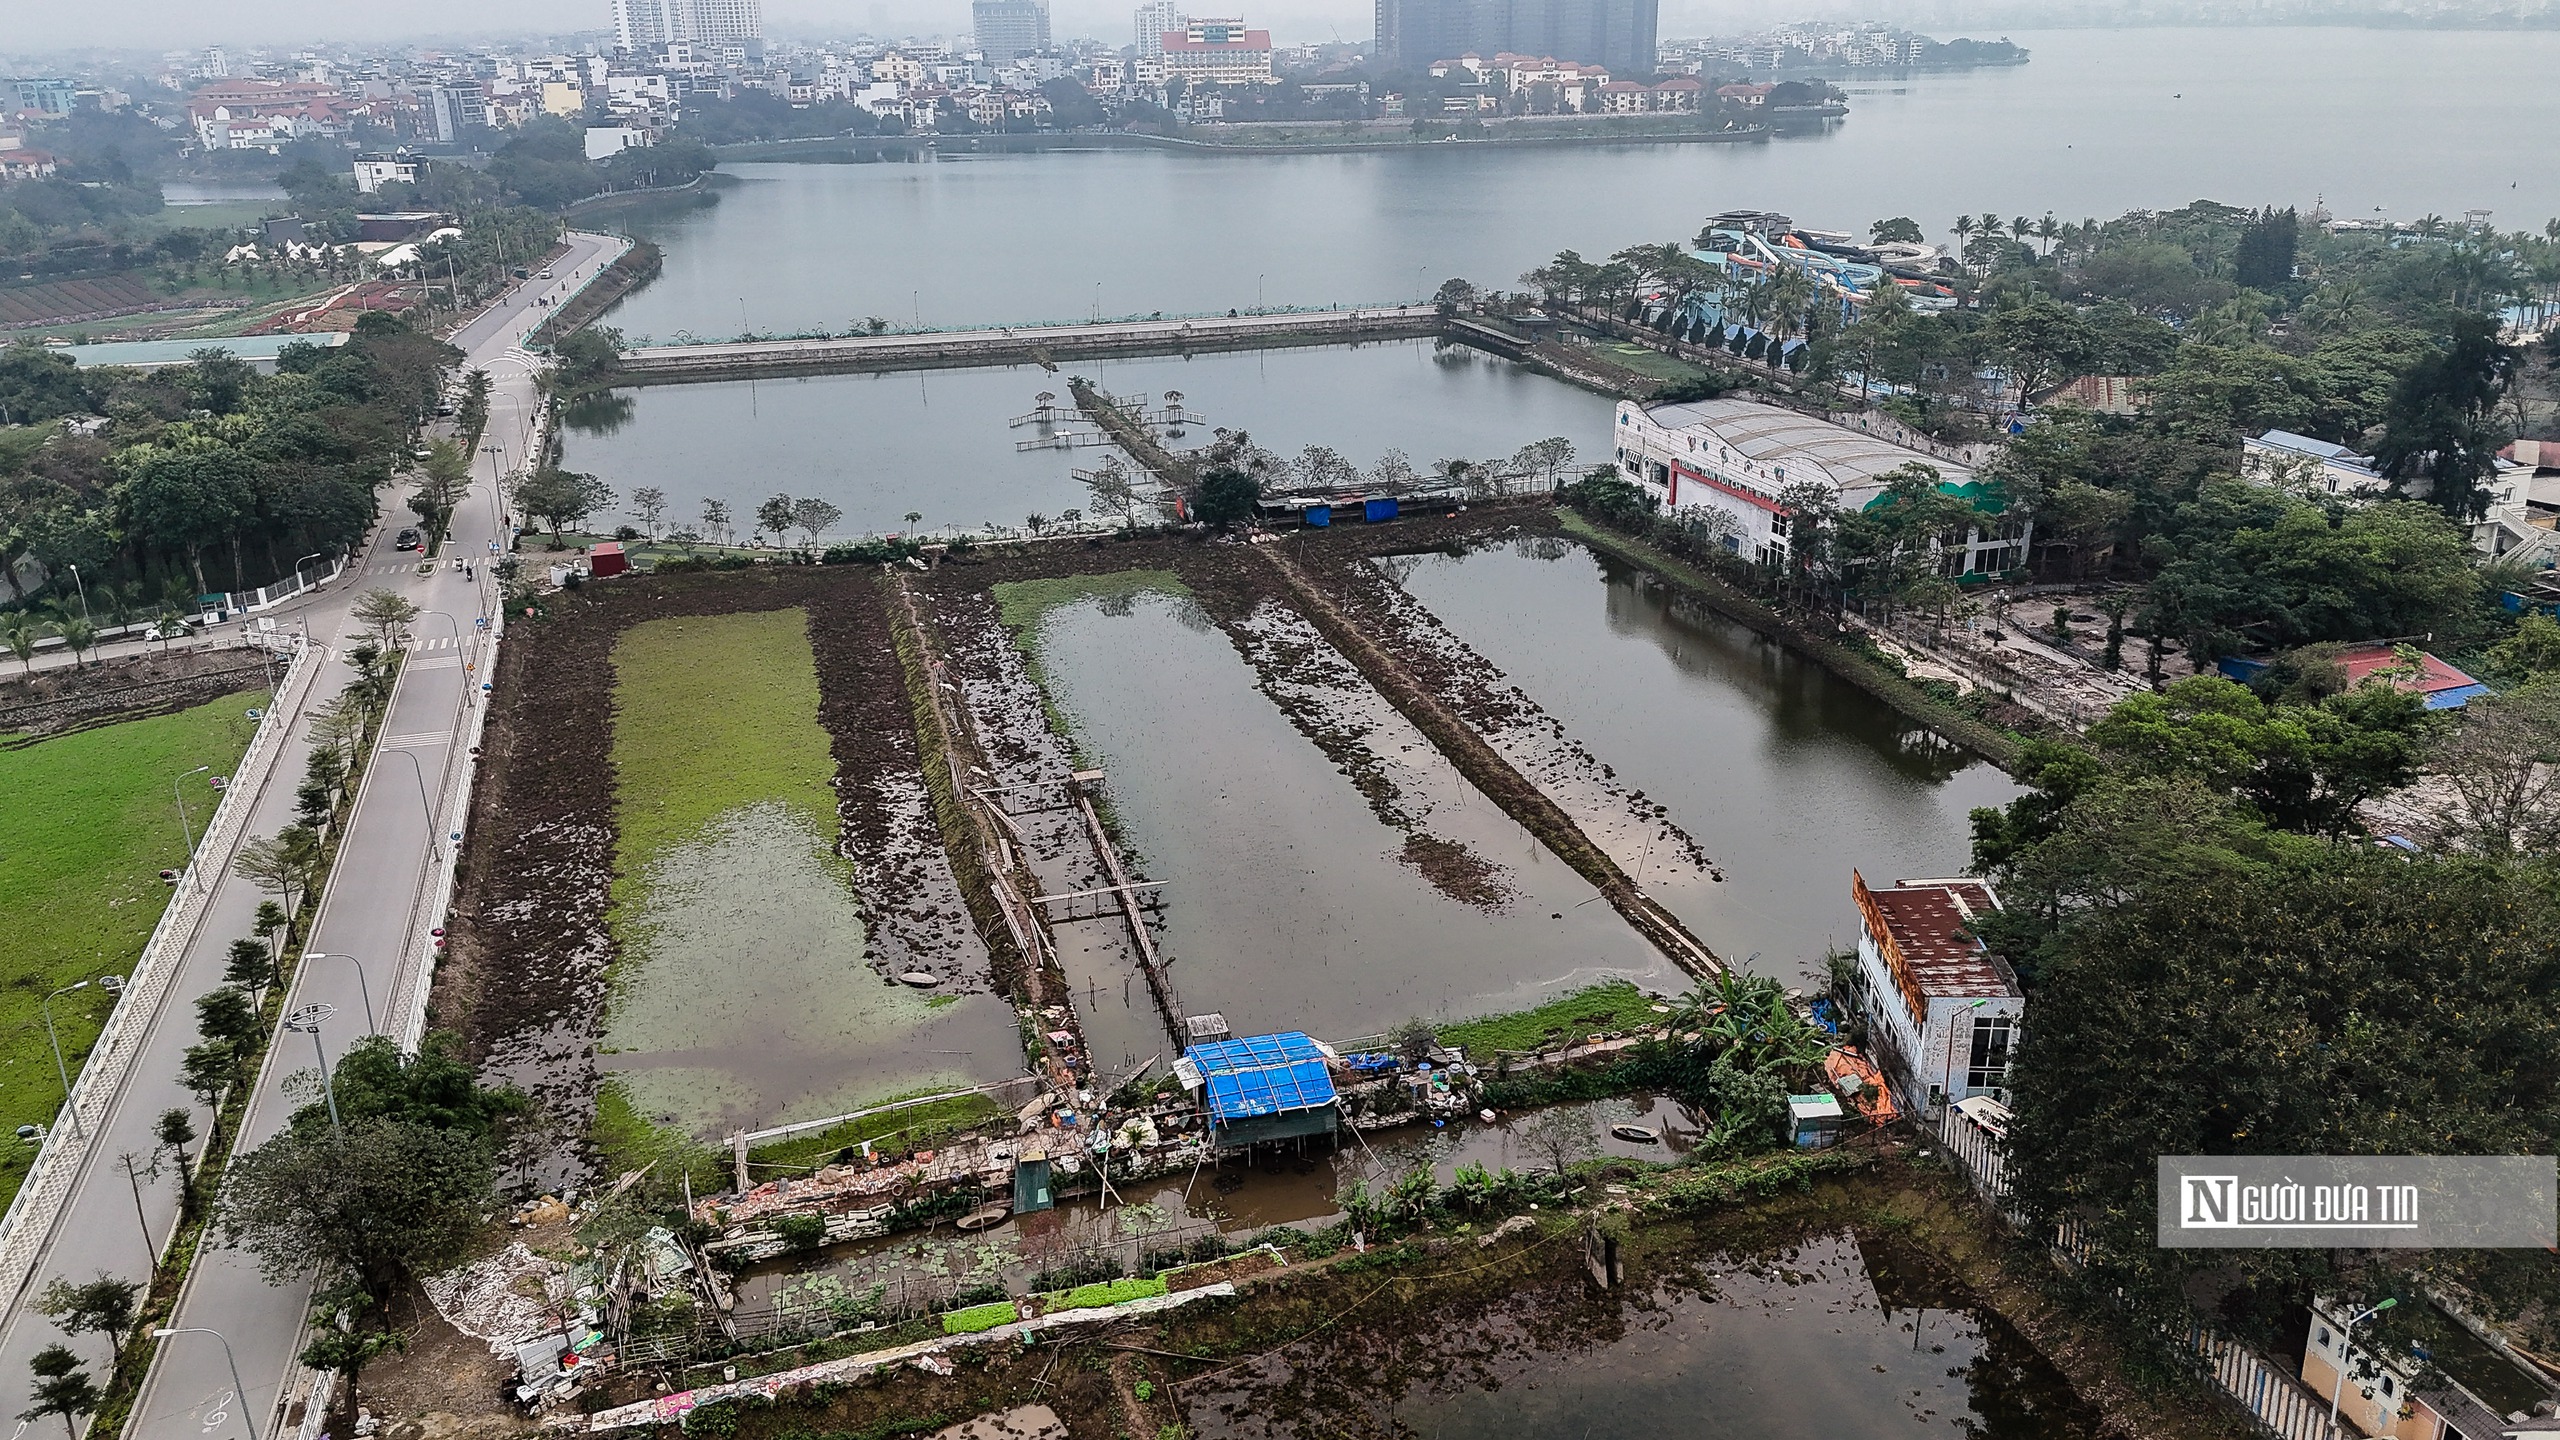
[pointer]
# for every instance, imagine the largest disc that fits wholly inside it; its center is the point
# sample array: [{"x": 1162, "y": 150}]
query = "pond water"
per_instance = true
[
  {"x": 1839, "y": 1335},
  {"x": 935, "y": 443},
  {"x": 748, "y": 999},
  {"x": 1785, "y": 774},
  {"x": 1288, "y": 905}
]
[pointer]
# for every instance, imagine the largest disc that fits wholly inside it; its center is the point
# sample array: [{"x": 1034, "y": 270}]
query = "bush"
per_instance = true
[
  {"x": 1108, "y": 1292},
  {"x": 978, "y": 1318},
  {"x": 870, "y": 552},
  {"x": 800, "y": 1232}
]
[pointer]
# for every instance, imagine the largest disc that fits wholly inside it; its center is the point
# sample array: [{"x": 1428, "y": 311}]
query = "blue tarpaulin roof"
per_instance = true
[{"x": 1262, "y": 1075}]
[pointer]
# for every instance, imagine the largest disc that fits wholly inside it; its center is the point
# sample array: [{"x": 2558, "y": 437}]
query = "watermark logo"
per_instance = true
[{"x": 2363, "y": 1201}]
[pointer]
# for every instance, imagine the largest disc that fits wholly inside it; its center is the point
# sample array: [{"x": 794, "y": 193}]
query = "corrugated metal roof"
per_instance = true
[
  {"x": 1851, "y": 460},
  {"x": 1263, "y": 1075}
]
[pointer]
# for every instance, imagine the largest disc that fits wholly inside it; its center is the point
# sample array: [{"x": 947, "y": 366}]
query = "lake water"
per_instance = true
[
  {"x": 935, "y": 442},
  {"x": 2099, "y": 122},
  {"x": 1786, "y": 774}
]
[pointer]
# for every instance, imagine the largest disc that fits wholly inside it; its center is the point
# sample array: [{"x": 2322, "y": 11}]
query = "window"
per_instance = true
[
  {"x": 1989, "y": 1067},
  {"x": 2386, "y": 1384},
  {"x": 2323, "y": 1341}
]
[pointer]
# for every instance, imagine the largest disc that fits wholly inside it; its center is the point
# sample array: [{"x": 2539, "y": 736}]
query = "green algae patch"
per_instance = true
[
  {"x": 1023, "y": 604},
  {"x": 1610, "y": 1005},
  {"x": 711, "y": 713}
]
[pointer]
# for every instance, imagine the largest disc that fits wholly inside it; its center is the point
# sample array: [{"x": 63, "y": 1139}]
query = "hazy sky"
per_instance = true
[{"x": 39, "y": 26}]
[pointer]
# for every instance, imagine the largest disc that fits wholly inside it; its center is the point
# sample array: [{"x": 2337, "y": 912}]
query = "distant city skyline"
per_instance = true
[{"x": 39, "y": 30}]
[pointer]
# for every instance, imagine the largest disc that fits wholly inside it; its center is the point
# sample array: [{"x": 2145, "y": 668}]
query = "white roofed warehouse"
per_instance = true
[{"x": 1738, "y": 456}]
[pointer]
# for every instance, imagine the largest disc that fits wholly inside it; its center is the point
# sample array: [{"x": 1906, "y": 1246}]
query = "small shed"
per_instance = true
[
  {"x": 607, "y": 559},
  {"x": 1262, "y": 1087},
  {"x": 1813, "y": 1121}
]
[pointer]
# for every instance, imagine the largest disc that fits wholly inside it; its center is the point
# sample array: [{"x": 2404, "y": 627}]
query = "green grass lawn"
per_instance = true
[
  {"x": 87, "y": 822},
  {"x": 1647, "y": 361}
]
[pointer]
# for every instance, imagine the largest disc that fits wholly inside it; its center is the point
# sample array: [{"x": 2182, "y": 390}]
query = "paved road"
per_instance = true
[{"x": 383, "y": 864}]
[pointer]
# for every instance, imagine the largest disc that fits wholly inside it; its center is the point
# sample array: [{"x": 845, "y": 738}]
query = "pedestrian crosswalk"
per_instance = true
[{"x": 418, "y": 740}]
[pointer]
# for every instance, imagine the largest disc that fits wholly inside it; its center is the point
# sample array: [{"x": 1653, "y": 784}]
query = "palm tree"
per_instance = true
[
  {"x": 2021, "y": 228},
  {"x": 81, "y": 636},
  {"x": 1964, "y": 232},
  {"x": 20, "y": 634},
  {"x": 2048, "y": 230}
]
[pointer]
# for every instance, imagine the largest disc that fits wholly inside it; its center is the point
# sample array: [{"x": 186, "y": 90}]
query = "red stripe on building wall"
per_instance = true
[{"x": 1737, "y": 492}]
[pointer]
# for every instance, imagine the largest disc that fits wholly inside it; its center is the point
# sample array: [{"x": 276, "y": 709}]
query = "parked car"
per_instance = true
[
  {"x": 546, "y": 274},
  {"x": 408, "y": 539}
]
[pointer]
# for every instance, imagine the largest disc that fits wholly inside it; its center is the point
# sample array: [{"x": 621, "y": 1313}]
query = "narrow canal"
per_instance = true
[{"x": 1785, "y": 774}]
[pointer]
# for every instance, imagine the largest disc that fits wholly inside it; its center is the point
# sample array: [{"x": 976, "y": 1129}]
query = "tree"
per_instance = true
[
  {"x": 251, "y": 963},
  {"x": 444, "y": 477},
  {"x": 271, "y": 924},
  {"x": 1113, "y": 490},
  {"x": 1561, "y": 1135},
  {"x": 227, "y": 1020},
  {"x": 2040, "y": 343},
  {"x": 207, "y": 1072},
  {"x": 2292, "y": 999},
  {"x": 176, "y": 1131},
  {"x": 384, "y": 612},
  {"x": 78, "y": 636},
  {"x": 62, "y": 1388},
  {"x": 381, "y": 1199},
  {"x": 104, "y": 1305},
  {"x": 2303, "y": 768},
  {"x": 561, "y": 498},
  {"x": 715, "y": 519},
  {"x": 2266, "y": 254},
  {"x": 1900, "y": 230},
  {"x": 1545, "y": 458},
  {"x": 20, "y": 634},
  {"x": 649, "y": 506},
  {"x": 774, "y": 514},
  {"x": 186, "y": 495},
  {"x": 347, "y": 1333},
  {"x": 285, "y": 862},
  {"x": 2441, "y": 433},
  {"x": 814, "y": 517},
  {"x": 1453, "y": 296},
  {"x": 2501, "y": 761}
]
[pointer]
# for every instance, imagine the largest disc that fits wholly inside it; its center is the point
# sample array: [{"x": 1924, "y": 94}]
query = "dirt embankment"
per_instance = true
[
  {"x": 107, "y": 692},
  {"x": 524, "y": 979}
]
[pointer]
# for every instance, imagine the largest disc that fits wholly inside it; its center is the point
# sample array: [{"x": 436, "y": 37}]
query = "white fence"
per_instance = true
[
  {"x": 33, "y": 1212},
  {"x": 2278, "y": 1405}
]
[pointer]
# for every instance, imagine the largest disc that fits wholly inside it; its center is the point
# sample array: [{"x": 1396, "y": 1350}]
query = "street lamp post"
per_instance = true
[
  {"x": 83, "y": 587},
  {"x": 307, "y": 1021},
  {"x": 361, "y": 987},
  {"x": 112, "y": 984},
  {"x": 2338, "y": 1386},
  {"x": 238, "y": 1390},
  {"x": 435, "y": 846},
  {"x": 185, "y": 825}
]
